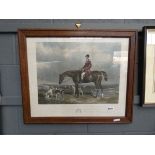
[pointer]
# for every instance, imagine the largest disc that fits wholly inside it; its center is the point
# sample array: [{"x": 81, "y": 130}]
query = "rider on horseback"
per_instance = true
[{"x": 86, "y": 68}]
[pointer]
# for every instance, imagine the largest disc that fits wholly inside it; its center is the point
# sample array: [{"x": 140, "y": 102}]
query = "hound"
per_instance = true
[
  {"x": 97, "y": 93},
  {"x": 59, "y": 94},
  {"x": 49, "y": 94}
]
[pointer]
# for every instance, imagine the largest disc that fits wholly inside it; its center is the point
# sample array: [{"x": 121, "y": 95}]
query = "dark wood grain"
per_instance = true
[{"x": 24, "y": 33}]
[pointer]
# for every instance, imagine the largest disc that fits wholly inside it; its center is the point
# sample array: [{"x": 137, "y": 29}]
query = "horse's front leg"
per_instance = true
[{"x": 76, "y": 90}]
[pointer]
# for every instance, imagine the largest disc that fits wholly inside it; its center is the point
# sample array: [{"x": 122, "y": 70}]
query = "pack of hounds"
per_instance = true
[{"x": 58, "y": 93}]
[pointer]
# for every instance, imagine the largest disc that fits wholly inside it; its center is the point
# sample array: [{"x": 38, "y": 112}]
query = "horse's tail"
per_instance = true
[{"x": 105, "y": 75}]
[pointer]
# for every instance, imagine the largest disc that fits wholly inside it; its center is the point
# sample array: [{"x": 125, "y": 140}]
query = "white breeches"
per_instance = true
[{"x": 82, "y": 75}]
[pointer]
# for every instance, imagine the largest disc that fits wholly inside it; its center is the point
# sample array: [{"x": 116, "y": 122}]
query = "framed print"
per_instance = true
[
  {"x": 148, "y": 95},
  {"x": 77, "y": 76}
]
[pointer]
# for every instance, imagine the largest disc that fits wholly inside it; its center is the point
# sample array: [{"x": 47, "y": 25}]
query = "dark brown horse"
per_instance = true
[{"x": 95, "y": 76}]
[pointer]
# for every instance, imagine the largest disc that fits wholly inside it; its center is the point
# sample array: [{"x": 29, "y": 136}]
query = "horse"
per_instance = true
[{"x": 95, "y": 77}]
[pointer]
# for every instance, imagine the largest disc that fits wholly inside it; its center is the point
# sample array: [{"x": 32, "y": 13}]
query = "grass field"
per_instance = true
[
  {"x": 86, "y": 99},
  {"x": 110, "y": 96}
]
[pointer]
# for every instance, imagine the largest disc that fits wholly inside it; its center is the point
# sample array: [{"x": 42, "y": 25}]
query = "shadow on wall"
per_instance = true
[{"x": 140, "y": 58}]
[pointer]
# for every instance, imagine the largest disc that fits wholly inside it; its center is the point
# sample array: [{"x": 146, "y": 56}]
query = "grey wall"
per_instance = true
[{"x": 11, "y": 116}]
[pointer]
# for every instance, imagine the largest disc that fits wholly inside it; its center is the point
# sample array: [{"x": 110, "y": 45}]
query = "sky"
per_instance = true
[{"x": 54, "y": 58}]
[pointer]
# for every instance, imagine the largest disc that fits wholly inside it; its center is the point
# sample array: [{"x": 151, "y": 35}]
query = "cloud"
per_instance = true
[{"x": 54, "y": 58}]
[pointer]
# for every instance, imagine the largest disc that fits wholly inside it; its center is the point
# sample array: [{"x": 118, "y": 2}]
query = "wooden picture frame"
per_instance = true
[
  {"x": 119, "y": 51},
  {"x": 148, "y": 95}
]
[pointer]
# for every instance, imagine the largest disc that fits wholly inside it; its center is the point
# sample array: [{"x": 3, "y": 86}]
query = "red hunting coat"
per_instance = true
[{"x": 86, "y": 68}]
